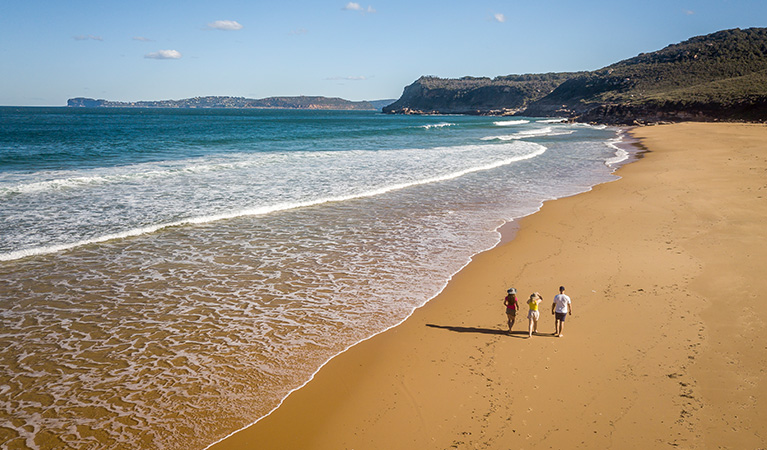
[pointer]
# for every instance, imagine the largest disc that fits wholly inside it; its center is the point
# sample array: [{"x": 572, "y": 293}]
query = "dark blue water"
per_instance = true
[{"x": 72, "y": 138}]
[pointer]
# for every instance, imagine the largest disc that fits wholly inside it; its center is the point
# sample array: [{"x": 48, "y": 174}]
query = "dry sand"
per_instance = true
[{"x": 666, "y": 347}]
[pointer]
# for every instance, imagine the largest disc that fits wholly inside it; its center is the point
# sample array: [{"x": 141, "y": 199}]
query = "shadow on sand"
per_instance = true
[{"x": 516, "y": 334}]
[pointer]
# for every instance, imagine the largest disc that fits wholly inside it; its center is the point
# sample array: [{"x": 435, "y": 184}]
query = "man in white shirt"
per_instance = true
[{"x": 561, "y": 307}]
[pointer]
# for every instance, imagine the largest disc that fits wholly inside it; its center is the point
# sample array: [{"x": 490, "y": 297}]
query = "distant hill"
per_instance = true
[
  {"x": 380, "y": 104},
  {"x": 721, "y": 76},
  {"x": 314, "y": 103}
]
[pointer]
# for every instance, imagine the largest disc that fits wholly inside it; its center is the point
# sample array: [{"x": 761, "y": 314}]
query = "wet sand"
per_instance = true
[{"x": 666, "y": 347}]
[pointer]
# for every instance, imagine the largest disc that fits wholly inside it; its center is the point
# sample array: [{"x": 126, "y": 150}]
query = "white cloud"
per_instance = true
[
  {"x": 164, "y": 54},
  {"x": 499, "y": 17},
  {"x": 354, "y": 6},
  {"x": 689, "y": 12},
  {"x": 225, "y": 25},
  {"x": 299, "y": 31},
  {"x": 89, "y": 37},
  {"x": 142, "y": 39}
]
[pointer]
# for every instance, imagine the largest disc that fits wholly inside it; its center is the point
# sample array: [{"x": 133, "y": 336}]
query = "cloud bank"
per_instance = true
[
  {"x": 225, "y": 25},
  {"x": 163, "y": 54}
]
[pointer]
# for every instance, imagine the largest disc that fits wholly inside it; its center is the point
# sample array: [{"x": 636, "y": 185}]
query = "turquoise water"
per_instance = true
[{"x": 168, "y": 276}]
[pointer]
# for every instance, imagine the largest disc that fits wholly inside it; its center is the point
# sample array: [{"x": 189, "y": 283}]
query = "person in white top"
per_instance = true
[{"x": 560, "y": 308}]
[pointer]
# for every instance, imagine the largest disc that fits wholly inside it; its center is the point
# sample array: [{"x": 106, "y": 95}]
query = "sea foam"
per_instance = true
[
  {"x": 538, "y": 132},
  {"x": 551, "y": 121},
  {"x": 509, "y": 123},
  {"x": 429, "y": 126},
  {"x": 621, "y": 155},
  {"x": 341, "y": 177}
]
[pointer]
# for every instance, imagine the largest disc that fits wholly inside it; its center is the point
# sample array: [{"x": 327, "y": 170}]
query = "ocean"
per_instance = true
[{"x": 169, "y": 276}]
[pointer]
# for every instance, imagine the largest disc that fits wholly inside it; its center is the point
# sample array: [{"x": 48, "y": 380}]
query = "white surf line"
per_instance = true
[
  {"x": 437, "y": 125},
  {"x": 18, "y": 254},
  {"x": 620, "y": 154},
  {"x": 508, "y": 123}
]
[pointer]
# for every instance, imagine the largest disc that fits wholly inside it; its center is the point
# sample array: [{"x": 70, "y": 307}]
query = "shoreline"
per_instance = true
[
  {"x": 450, "y": 376},
  {"x": 506, "y": 233}
]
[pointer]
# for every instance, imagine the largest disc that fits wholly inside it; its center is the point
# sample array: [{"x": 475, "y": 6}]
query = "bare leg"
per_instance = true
[{"x": 530, "y": 327}]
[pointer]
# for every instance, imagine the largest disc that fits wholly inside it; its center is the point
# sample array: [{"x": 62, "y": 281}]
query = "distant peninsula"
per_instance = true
[
  {"x": 302, "y": 102},
  {"x": 717, "y": 77}
]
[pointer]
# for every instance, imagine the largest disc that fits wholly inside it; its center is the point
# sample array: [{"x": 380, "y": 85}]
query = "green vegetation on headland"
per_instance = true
[
  {"x": 316, "y": 103},
  {"x": 721, "y": 76},
  {"x": 470, "y": 95}
]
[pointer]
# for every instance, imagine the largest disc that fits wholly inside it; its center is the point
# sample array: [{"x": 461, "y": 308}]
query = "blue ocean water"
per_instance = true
[{"x": 168, "y": 276}]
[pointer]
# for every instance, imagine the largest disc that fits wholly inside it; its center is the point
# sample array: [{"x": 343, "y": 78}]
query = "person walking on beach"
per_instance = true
[
  {"x": 561, "y": 307},
  {"x": 511, "y": 307},
  {"x": 533, "y": 315}
]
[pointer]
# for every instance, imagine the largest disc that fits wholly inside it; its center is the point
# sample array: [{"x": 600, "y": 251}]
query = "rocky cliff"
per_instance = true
[
  {"x": 721, "y": 76},
  {"x": 470, "y": 95}
]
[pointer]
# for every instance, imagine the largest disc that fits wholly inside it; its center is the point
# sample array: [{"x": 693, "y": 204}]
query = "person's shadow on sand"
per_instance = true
[{"x": 516, "y": 334}]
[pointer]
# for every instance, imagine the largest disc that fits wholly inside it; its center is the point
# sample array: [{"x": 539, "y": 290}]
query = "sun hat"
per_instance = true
[{"x": 512, "y": 291}]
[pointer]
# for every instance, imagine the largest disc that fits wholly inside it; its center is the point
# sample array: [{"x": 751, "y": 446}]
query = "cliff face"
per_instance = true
[
  {"x": 469, "y": 95},
  {"x": 721, "y": 76}
]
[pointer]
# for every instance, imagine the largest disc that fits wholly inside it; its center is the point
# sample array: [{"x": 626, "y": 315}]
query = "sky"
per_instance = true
[{"x": 364, "y": 50}]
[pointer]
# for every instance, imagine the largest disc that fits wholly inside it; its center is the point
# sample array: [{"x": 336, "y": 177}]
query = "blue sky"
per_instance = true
[{"x": 162, "y": 49}]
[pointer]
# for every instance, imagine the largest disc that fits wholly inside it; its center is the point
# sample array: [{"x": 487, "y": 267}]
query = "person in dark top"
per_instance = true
[{"x": 511, "y": 307}]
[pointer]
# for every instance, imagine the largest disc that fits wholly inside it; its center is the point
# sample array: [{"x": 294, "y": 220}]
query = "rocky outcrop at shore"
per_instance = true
[{"x": 749, "y": 110}]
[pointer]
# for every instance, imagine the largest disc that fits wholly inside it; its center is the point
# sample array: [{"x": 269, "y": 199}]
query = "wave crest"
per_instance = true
[
  {"x": 539, "y": 132},
  {"x": 430, "y": 126},
  {"x": 509, "y": 123}
]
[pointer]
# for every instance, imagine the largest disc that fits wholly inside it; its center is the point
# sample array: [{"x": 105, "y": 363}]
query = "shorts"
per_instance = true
[
  {"x": 535, "y": 315},
  {"x": 511, "y": 312},
  {"x": 561, "y": 316}
]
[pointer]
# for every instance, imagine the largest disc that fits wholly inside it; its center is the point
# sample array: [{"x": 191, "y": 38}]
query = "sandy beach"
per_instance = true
[{"x": 666, "y": 346}]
